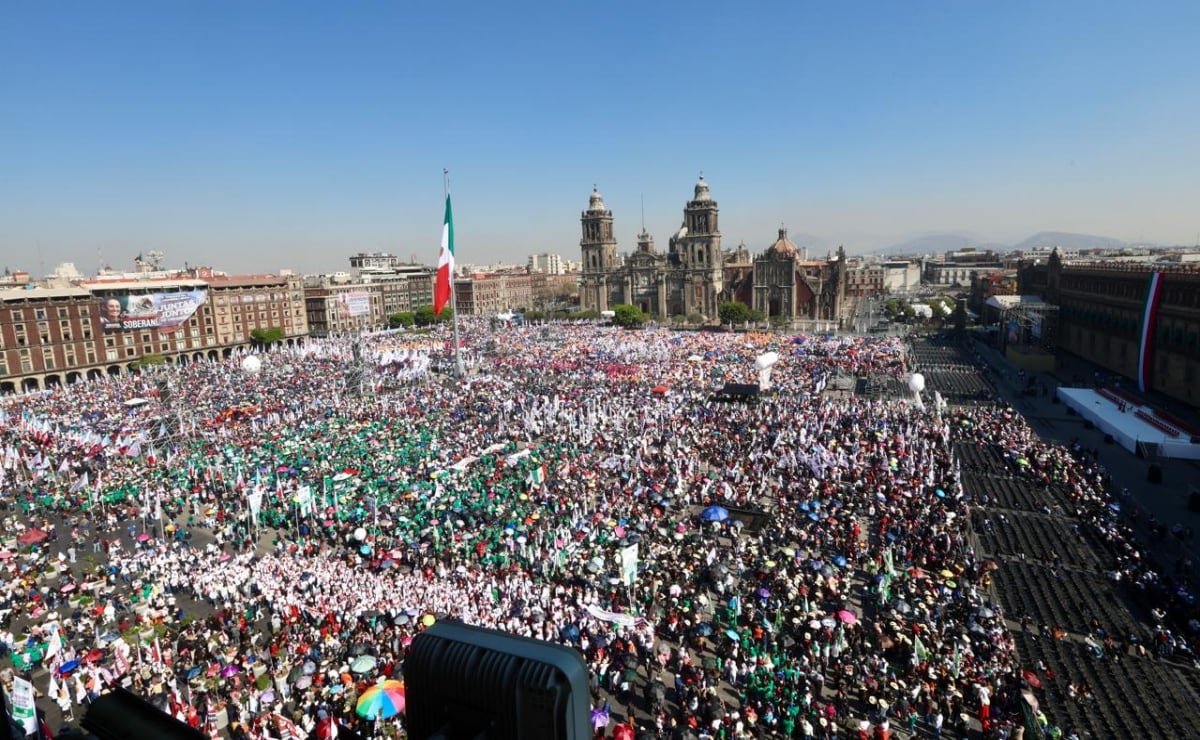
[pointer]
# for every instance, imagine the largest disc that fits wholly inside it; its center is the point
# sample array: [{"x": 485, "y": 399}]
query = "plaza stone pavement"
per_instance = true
[{"x": 1167, "y": 502}]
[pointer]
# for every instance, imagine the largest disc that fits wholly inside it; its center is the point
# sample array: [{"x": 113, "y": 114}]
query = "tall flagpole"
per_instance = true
[{"x": 458, "y": 363}]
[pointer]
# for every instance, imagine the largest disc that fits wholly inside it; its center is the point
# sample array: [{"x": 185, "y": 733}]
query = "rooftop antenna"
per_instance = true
[
  {"x": 643, "y": 213},
  {"x": 41, "y": 262}
]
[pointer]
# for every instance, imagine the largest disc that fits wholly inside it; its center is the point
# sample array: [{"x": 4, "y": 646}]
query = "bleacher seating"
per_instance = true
[
  {"x": 1111, "y": 396},
  {"x": 1178, "y": 423},
  {"x": 1157, "y": 423}
]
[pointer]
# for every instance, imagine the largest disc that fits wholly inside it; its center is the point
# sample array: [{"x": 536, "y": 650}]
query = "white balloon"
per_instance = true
[
  {"x": 360, "y": 534},
  {"x": 916, "y": 383},
  {"x": 766, "y": 360},
  {"x": 251, "y": 364}
]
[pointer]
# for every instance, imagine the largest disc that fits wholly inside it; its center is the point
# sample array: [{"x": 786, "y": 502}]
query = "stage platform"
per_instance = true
[{"x": 1120, "y": 418}]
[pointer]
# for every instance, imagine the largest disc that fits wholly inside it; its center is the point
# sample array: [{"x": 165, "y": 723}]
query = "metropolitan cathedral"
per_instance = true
[{"x": 695, "y": 275}]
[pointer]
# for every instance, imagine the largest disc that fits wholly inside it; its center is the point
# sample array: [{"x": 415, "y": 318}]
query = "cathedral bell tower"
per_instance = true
[
  {"x": 698, "y": 249},
  {"x": 599, "y": 249}
]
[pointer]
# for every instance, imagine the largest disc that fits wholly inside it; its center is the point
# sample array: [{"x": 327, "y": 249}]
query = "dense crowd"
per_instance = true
[{"x": 803, "y": 570}]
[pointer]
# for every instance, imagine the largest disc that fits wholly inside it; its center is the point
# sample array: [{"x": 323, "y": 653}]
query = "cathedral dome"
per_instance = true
[
  {"x": 596, "y": 202},
  {"x": 783, "y": 246},
  {"x": 702, "y": 190}
]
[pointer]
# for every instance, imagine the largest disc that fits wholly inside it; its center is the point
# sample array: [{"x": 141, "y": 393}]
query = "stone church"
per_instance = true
[
  {"x": 694, "y": 276},
  {"x": 787, "y": 283}
]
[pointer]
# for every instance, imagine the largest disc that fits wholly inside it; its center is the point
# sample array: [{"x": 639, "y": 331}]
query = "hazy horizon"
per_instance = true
[{"x": 253, "y": 137}]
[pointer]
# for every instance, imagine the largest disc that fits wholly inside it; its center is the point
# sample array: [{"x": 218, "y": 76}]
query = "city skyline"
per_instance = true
[{"x": 276, "y": 135}]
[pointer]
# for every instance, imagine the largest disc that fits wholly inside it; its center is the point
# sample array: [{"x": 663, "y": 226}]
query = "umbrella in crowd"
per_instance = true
[
  {"x": 381, "y": 701},
  {"x": 32, "y": 536},
  {"x": 600, "y": 718}
]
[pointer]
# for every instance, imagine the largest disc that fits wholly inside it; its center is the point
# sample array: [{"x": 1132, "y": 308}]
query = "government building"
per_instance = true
[
  {"x": 52, "y": 336},
  {"x": 695, "y": 275},
  {"x": 1110, "y": 315}
]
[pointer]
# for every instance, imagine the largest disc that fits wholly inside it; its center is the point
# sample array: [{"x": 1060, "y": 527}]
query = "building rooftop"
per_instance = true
[
  {"x": 233, "y": 281},
  {"x": 95, "y": 285},
  {"x": 784, "y": 246},
  {"x": 40, "y": 293},
  {"x": 1004, "y": 302}
]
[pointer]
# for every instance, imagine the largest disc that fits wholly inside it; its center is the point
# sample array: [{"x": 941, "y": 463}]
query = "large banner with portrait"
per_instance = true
[
  {"x": 354, "y": 304},
  {"x": 163, "y": 311}
]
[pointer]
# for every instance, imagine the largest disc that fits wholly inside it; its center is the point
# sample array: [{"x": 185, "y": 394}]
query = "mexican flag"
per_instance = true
[{"x": 445, "y": 273}]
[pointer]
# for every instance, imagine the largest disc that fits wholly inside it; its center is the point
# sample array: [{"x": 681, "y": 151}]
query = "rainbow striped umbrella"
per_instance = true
[{"x": 382, "y": 701}]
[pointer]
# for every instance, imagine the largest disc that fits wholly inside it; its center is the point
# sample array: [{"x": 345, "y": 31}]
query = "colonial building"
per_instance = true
[
  {"x": 865, "y": 280},
  {"x": 788, "y": 286},
  {"x": 243, "y": 303},
  {"x": 48, "y": 336},
  {"x": 56, "y": 336},
  {"x": 957, "y": 267},
  {"x": 486, "y": 295},
  {"x": 1103, "y": 318},
  {"x": 404, "y": 286},
  {"x": 739, "y": 276},
  {"x": 339, "y": 308},
  {"x": 687, "y": 280}
]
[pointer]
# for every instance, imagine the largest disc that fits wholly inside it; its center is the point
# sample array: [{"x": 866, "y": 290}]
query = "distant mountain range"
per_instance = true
[
  {"x": 1069, "y": 241},
  {"x": 939, "y": 243}
]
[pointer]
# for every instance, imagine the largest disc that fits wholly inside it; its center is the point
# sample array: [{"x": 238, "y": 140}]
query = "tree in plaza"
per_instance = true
[
  {"x": 733, "y": 312},
  {"x": 424, "y": 316},
  {"x": 402, "y": 319},
  {"x": 627, "y": 316},
  {"x": 941, "y": 305},
  {"x": 736, "y": 312},
  {"x": 266, "y": 337},
  {"x": 897, "y": 309},
  {"x": 150, "y": 360}
]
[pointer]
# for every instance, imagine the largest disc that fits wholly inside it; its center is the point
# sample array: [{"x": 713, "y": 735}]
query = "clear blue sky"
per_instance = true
[{"x": 254, "y": 135}]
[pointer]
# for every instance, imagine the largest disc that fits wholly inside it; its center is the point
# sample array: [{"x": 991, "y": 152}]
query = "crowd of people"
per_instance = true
[{"x": 254, "y": 546}]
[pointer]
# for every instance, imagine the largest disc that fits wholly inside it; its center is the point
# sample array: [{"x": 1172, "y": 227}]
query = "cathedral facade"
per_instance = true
[
  {"x": 688, "y": 279},
  {"x": 694, "y": 276},
  {"x": 788, "y": 284}
]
